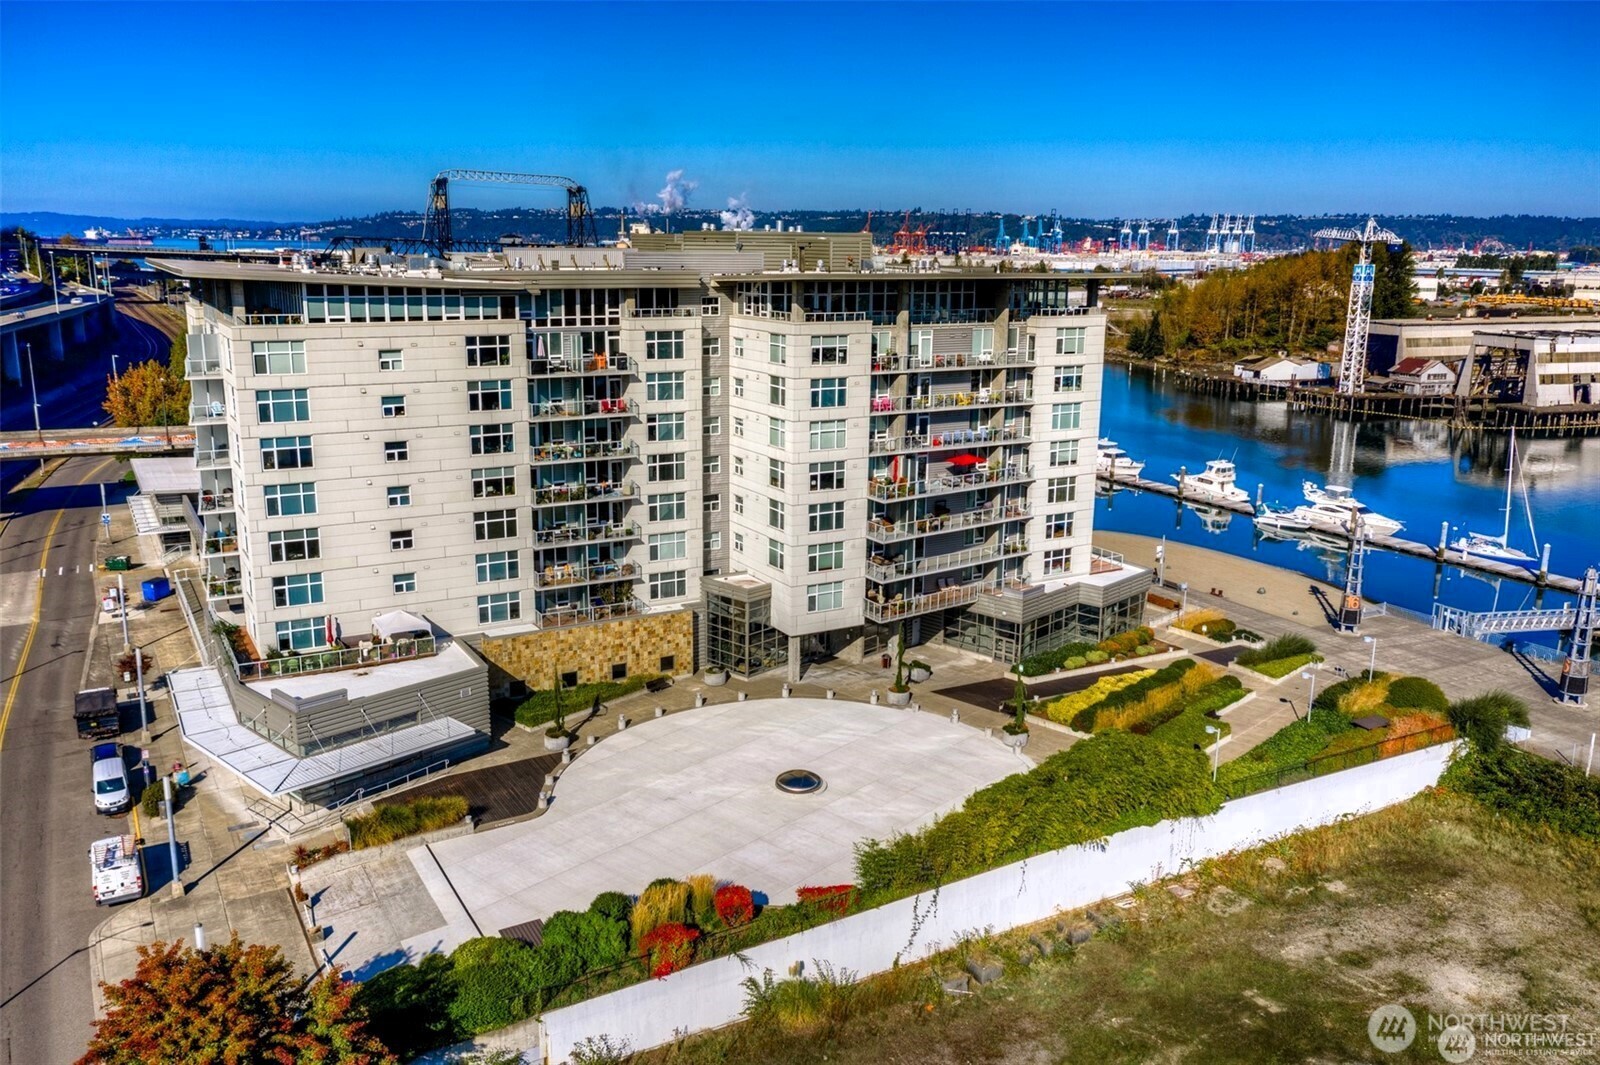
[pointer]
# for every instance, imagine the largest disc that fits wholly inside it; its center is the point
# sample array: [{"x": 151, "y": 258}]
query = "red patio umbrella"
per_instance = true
[{"x": 964, "y": 459}]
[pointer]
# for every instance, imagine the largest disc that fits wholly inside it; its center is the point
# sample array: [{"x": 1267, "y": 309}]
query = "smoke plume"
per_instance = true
[
  {"x": 738, "y": 215},
  {"x": 674, "y": 196}
]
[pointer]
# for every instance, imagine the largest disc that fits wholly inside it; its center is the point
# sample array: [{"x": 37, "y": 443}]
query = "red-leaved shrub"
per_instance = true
[
  {"x": 835, "y": 898},
  {"x": 668, "y": 948},
  {"x": 735, "y": 906}
]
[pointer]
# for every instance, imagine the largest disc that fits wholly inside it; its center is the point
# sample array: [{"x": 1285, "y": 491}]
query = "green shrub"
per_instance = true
[
  {"x": 1042, "y": 662},
  {"x": 1277, "y": 668},
  {"x": 1096, "y": 657},
  {"x": 1188, "y": 729},
  {"x": 1417, "y": 693},
  {"x": 1328, "y": 698},
  {"x": 1289, "y": 645},
  {"x": 612, "y": 905},
  {"x": 150, "y": 801},
  {"x": 1289, "y": 746},
  {"x": 408, "y": 1006},
  {"x": 1482, "y": 719},
  {"x": 1097, "y": 787},
  {"x": 1083, "y": 720},
  {"x": 1145, "y": 649},
  {"x": 1247, "y": 636},
  {"x": 540, "y": 707},
  {"x": 1075, "y": 662},
  {"x": 1529, "y": 788},
  {"x": 391, "y": 821},
  {"x": 495, "y": 983},
  {"x": 598, "y": 942},
  {"x": 1066, "y": 708}
]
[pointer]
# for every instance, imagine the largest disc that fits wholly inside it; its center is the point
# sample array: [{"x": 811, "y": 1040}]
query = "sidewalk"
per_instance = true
[{"x": 234, "y": 877}]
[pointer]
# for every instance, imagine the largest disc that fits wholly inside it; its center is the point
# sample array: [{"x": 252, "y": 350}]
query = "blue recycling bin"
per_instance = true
[{"x": 156, "y": 589}]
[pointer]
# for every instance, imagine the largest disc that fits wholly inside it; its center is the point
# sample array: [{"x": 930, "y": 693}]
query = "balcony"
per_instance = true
[
  {"x": 882, "y": 488},
  {"x": 836, "y": 316},
  {"x": 893, "y": 363},
  {"x": 560, "y": 494},
  {"x": 361, "y": 656},
  {"x": 212, "y": 458},
  {"x": 202, "y": 366},
  {"x": 578, "y": 408},
  {"x": 952, "y": 315},
  {"x": 561, "y": 617},
  {"x": 900, "y": 607},
  {"x": 984, "y": 397},
  {"x": 563, "y": 575},
  {"x": 208, "y": 413},
  {"x": 219, "y": 589},
  {"x": 882, "y": 530},
  {"x": 219, "y": 546},
  {"x": 949, "y": 439},
  {"x": 605, "y": 449},
  {"x": 664, "y": 312},
  {"x": 269, "y": 319},
  {"x": 560, "y": 365},
  {"x": 883, "y": 570},
  {"x": 215, "y": 502},
  {"x": 587, "y": 534}
]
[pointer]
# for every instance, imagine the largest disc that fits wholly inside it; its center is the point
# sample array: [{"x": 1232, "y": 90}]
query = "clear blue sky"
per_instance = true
[{"x": 290, "y": 111}]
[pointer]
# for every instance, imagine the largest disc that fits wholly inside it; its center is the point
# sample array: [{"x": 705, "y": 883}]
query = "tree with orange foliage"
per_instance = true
[
  {"x": 147, "y": 394},
  {"x": 229, "y": 1004}
]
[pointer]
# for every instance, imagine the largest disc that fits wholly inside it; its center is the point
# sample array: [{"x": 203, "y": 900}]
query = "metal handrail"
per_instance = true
[
  {"x": 335, "y": 659},
  {"x": 954, "y": 482}
]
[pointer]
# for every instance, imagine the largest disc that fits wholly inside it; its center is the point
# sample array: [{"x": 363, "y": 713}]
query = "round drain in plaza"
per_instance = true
[{"x": 799, "y": 781}]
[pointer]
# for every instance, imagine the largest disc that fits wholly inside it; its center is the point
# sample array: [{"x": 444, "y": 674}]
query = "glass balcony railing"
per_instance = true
[
  {"x": 597, "y": 610},
  {"x": 948, "y": 438},
  {"x": 582, "y": 492},
  {"x": 562, "y": 575},
  {"x": 983, "y": 397},
  {"x": 365, "y": 654},
  {"x": 882, "y": 488},
  {"x": 604, "y": 449},
  {"x": 587, "y": 534},
  {"x": 961, "y": 360},
  {"x": 880, "y": 608}
]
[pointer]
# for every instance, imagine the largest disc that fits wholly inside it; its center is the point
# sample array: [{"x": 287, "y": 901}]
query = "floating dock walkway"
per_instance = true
[{"x": 1437, "y": 553}]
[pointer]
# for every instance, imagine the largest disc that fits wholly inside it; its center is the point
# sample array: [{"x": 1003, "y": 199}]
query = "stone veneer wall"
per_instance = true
[{"x": 591, "y": 650}]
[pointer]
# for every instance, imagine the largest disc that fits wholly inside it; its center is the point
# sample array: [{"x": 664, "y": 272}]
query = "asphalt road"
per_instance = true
[{"x": 46, "y": 912}]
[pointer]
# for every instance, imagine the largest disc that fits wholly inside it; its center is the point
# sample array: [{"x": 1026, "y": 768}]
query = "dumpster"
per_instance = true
[
  {"x": 156, "y": 589},
  {"x": 119, "y": 562}
]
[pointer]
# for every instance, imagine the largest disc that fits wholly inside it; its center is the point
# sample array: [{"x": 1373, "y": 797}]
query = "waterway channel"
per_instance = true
[{"x": 1421, "y": 473}]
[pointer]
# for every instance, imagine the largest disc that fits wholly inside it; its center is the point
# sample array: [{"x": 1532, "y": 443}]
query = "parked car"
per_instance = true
[{"x": 111, "y": 793}]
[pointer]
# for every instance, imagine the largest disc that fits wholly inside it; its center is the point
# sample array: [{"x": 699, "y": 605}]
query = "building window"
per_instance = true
[
  {"x": 1064, "y": 453},
  {"x": 494, "y": 524},
  {"x": 399, "y": 495},
  {"x": 286, "y": 452},
  {"x": 297, "y": 589},
  {"x": 667, "y": 506},
  {"x": 494, "y": 481},
  {"x": 711, "y": 347},
  {"x": 491, "y": 439},
  {"x": 738, "y": 387},
  {"x": 499, "y": 607},
  {"x": 774, "y": 552},
  {"x": 827, "y": 476},
  {"x": 1069, "y": 340},
  {"x": 287, "y": 500},
  {"x": 663, "y": 427},
  {"x": 396, "y": 451},
  {"x": 829, "y": 351},
  {"x": 823, "y": 557},
  {"x": 401, "y": 540},
  {"x": 738, "y": 543},
  {"x": 619, "y": 671},
  {"x": 668, "y": 547},
  {"x": 1058, "y": 560},
  {"x": 738, "y": 347},
  {"x": 391, "y": 360},
  {"x": 738, "y": 503},
  {"x": 1066, "y": 416},
  {"x": 668, "y": 663},
  {"x": 1062, "y": 490},
  {"x": 279, "y": 356},
  {"x": 827, "y": 436},
  {"x": 738, "y": 465},
  {"x": 1057, "y": 526},
  {"x": 497, "y": 566},
  {"x": 738, "y": 425},
  {"x": 394, "y": 406},
  {"x": 294, "y": 545},
  {"x": 775, "y": 513},
  {"x": 821, "y": 597},
  {"x": 775, "y": 477},
  {"x": 777, "y": 432},
  {"x": 663, "y": 344},
  {"x": 488, "y": 351},
  {"x": 404, "y": 582},
  {"x": 713, "y": 426},
  {"x": 777, "y": 391},
  {"x": 778, "y": 349},
  {"x": 713, "y": 503},
  {"x": 283, "y": 405},
  {"x": 1069, "y": 378},
  {"x": 711, "y": 464},
  {"x": 665, "y": 467},
  {"x": 662, "y": 387},
  {"x": 670, "y": 585},
  {"x": 827, "y": 392},
  {"x": 301, "y": 635},
  {"x": 713, "y": 541},
  {"x": 825, "y": 517},
  {"x": 488, "y": 395},
  {"x": 710, "y": 306},
  {"x": 711, "y": 387}
]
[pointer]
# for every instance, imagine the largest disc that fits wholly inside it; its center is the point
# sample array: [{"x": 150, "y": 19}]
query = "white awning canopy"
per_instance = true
[{"x": 399, "y": 623}]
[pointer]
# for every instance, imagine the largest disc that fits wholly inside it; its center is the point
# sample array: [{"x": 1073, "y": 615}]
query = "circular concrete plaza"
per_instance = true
[{"x": 694, "y": 792}]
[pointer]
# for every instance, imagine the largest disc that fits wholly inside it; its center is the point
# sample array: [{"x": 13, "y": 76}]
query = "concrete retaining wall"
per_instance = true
[{"x": 708, "y": 995}]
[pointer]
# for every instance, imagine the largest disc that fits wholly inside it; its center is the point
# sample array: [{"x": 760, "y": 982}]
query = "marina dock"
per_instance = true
[{"x": 1435, "y": 553}]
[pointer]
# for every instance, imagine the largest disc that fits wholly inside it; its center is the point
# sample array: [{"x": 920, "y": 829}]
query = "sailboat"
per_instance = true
[{"x": 1498, "y": 548}]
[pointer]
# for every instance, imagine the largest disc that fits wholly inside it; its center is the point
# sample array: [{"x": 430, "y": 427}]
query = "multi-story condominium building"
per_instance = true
[{"x": 712, "y": 449}]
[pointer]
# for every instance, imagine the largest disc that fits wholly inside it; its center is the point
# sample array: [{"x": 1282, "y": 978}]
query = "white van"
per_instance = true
[{"x": 111, "y": 794}]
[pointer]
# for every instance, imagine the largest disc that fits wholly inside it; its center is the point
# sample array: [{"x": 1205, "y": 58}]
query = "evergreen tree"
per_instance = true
[{"x": 1394, "y": 289}]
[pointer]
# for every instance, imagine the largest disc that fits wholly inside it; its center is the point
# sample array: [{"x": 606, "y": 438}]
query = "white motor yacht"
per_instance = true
[
  {"x": 1216, "y": 481},
  {"x": 1280, "y": 521},
  {"x": 1111, "y": 459},
  {"x": 1335, "y": 508}
]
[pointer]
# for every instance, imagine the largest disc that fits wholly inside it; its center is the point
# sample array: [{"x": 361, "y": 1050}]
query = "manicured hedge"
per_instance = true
[
  {"x": 540, "y": 707},
  {"x": 1278, "y": 668},
  {"x": 1189, "y": 730},
  {"x": 1289, "y": 645},
  {"x": 1066, "y": 708},
  {"x": 1417, "y": 693}
]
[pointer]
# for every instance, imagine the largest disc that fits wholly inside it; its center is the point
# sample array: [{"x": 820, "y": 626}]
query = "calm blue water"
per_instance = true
[{"x": 1421, "y": 473}]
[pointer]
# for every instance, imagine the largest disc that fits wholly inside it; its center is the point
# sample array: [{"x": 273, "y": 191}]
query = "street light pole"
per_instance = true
[
  {"x": 1311, "y": 675},
  {"x": 33, "y": 386},
  {"x": 1372, "y": 662},
  {"x": 1216, "y": 749},
  {"x": 54, "y": 293}
]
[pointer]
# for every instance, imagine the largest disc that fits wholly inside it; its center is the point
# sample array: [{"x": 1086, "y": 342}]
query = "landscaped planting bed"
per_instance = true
[
  {"x": 1280, "y": 657},
  {"x": 540, "y": 707},
  {"x": 397, "y": 820},
  {"x": 1135, "y": 643}
]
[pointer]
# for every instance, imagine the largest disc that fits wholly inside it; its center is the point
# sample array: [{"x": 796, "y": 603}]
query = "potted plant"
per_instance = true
[
  {"x": 900, "y": 691},
  {"x": 716, "y": 677},
  {"x": 920, "y": 671},
  {"x": 556, "y": 737},
  {"x": 1016, "y": 730}
]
